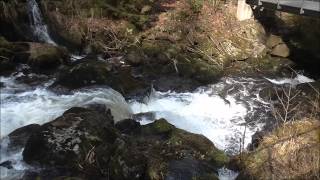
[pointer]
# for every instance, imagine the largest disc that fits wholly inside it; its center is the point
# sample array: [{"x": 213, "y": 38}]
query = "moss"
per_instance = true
[
  {"x": 196, "y": 5},
  {"x": 153, "y": 48},
  {"x": 3, "y": 42},
  {"x": 181, "y": 138},
  {"x": 156, "y": 168},
  {"x": 129, "y": 10},
  {"x": 47, "y": 56},
  {"x": 160, "y": 126},
  {"x": 197, "y": 68},
  {"x": 218, "y": 157}
]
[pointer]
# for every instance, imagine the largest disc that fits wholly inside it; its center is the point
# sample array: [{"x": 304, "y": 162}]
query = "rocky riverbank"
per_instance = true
[
  {"x": 87, "y": 143},
  {"x": 187, "y": 63}
]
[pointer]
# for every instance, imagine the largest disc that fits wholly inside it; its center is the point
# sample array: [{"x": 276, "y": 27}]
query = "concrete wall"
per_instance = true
[{"x": 244, "y": 11}]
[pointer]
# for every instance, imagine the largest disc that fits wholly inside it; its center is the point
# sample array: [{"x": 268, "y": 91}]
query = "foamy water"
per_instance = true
[
  {"x": 222, "y": 112},
  {"x": 20, "y": 106},
  {"x": 293, "y": 81},
  {"x": 222, "y": 120},
  {"x": 228, "y": 113}
]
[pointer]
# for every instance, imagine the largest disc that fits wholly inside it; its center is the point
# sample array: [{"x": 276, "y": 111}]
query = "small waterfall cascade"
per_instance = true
[{"x": 39, "y": 28}]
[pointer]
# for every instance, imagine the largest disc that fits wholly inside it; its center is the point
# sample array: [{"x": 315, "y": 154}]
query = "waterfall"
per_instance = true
[{"x": 39, "y": 28}]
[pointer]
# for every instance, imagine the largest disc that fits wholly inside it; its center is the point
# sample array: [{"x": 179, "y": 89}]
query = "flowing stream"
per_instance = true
[
  {"x": 228, "y": 112},
  {"x": 222, "y": 112}
]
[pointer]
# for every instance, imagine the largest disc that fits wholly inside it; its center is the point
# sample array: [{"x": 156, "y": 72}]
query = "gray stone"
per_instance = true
[
  {"x": 281, "y": 50},
  {"x": 273, "y": 41}
]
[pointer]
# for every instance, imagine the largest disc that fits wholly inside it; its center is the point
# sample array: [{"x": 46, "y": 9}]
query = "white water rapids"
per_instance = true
[
  {"x": 218, "y": 111},
  {"x": 224, "y": 112},
  {"x": 20, "y": 106}
]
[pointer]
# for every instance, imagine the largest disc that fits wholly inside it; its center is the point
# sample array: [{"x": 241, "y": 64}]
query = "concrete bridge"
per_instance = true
[{"x": 300, "y": 7}]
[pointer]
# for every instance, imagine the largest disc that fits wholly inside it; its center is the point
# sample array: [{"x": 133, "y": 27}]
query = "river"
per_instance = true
[{"x": 228, "y": 112}]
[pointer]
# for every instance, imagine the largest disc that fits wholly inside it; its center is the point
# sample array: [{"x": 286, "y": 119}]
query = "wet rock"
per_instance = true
[
  {"x": 189, "y": 169},
  {"x": 19, "y": 137},
  {"x": 256, "y": 139},
  {"x": 39, "y": 56},
  {"x": 89, "y": 72},
  {"x": 280, "y": 50},
  {"x": 85, "y": 142},
  {"x": 158, "y": 149},
  {"x": 6, "y": 66},
  {"x": 143, "y": 116},
  {"x": 32, "y": 79},
  {"x": 95, "y": 72},
  {"x": 127, "y": 126},
  {"x": 7, "y": 164},
  {"x": 176, "y": 83},
  {"x": 45, "y": 56},
  {"x": 57, "y": 173},
  {"x": 67, "y": 140}
]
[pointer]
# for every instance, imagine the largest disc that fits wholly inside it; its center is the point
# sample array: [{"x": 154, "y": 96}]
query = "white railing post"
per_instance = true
[
  {"x": 244, "y": 10},
  {"x": 301, "y": 7}
]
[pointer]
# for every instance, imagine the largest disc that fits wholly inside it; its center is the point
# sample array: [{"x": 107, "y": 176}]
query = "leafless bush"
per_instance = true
[{"x": 288, "y": 107}]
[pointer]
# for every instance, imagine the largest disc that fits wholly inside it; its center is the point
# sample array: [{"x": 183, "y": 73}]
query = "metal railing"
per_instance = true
[{"x": 295, "y": 6}]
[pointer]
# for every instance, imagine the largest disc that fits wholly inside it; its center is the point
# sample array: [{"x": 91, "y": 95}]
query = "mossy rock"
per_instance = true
[
  {"x": 67, "y": 140},
  {"x": 87, "y": 143},
  {"x": 88, "y": 72},
  {"x": 160, "y": 126},
  {"x": 44, "y": 56},
  {"x": 211, "y": 154},
  {"x": 197, "y": 68},
  {"x": 161, "y": 51},
  {"x": 91, "y": 71}
]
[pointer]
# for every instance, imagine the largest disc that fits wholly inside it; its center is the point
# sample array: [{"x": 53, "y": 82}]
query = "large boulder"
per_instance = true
[
  {"x": 273, "y": 41},
  {"x": 39, "y": 56},
  {"x": 46, "y": 56},
  {"x": 87, "y": 144},
  {"x": 19, "y": 137},
  {"x": 67, "y": 140},
  {"x": 280, "y": 50},
  {"x": 91, "y": 71}
]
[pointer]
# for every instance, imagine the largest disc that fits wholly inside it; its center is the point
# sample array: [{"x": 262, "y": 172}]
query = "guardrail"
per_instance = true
[{"x": 301, "y": 7}]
